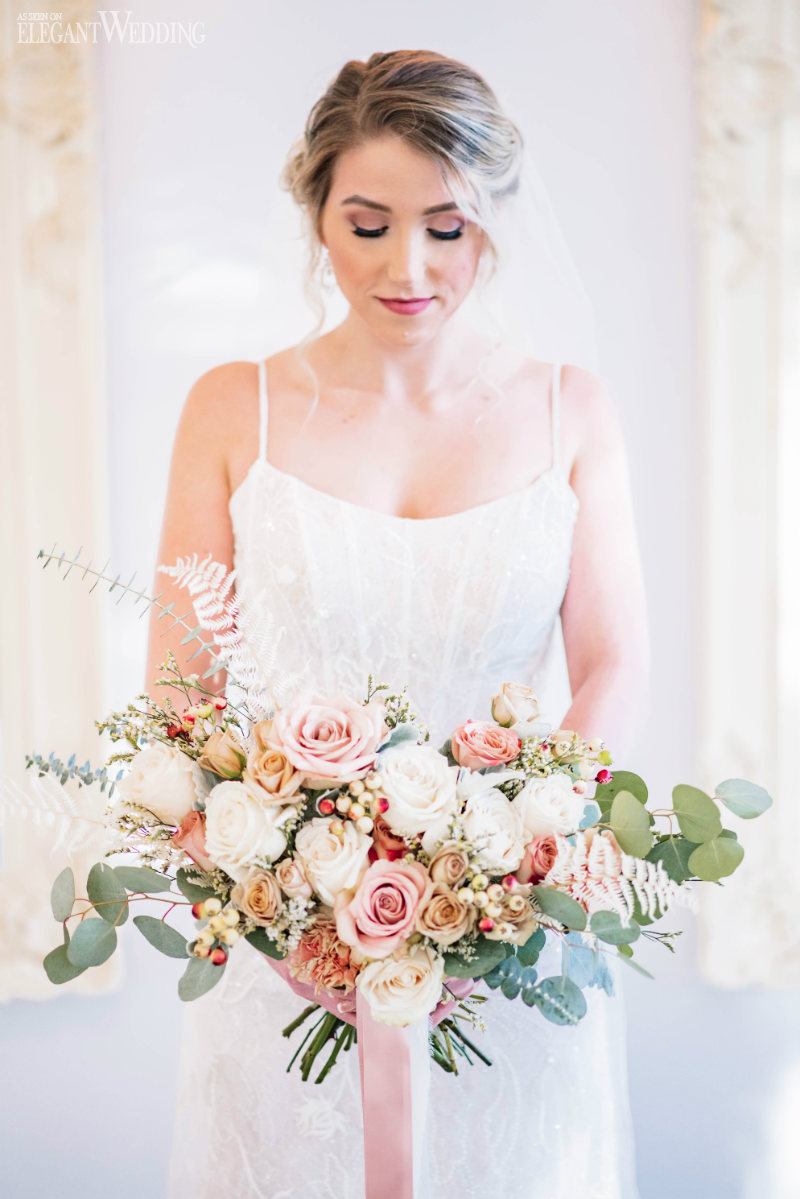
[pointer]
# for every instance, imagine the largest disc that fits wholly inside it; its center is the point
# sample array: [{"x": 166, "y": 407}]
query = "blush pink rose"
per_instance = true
[
  {"x": 385, "y": 843},
  {"x": 328, "y": 739},
  {"x": 479, "y": 743},
  {"x": 383, "y": 911},
  {"x": 540, "y": 857},
  {"x": 191, "y": 838}
]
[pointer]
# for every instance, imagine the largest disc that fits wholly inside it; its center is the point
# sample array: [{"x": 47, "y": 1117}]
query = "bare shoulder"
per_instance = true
[
  {"x": 590, "y": 421},
  {"x": 221, "y": 395}
]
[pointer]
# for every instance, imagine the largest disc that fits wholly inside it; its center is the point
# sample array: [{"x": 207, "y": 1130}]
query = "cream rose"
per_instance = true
[
  {"x": 163, "y": 780},
  {"x": 292, "y": 878},
  {"x": 403, "y": 988},
  {"x": 258, "y": 896},
  {"x": 328, "y": 739},
  {"x": 224, "y": 754},
  {"x": 515, "y": 704},
  {"x": 332, "y": 864},
  {"x": 269, "y": 768},
  {"x": 241, "y": 829},
  {"x": 444, "y": 917},
  {"x": 493, "y": 826},
  {"x": 548, "y": 805},
  {"x": 421, "y": 789},
  {"x": 449, "y": 865}
]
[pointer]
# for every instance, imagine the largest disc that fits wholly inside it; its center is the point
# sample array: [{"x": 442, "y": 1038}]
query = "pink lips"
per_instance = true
[{"x": 406, "y": 307}]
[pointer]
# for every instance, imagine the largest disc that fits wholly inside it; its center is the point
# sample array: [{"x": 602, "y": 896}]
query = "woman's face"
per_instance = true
[{"x": 386, "y": 244}]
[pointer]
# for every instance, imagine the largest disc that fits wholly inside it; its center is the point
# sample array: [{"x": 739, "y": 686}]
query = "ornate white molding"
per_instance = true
[{"x": 749, "y": 217}]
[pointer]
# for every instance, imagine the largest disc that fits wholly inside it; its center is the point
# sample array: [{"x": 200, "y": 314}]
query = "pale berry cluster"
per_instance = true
[
  {"x": 361, "y": 802},
  {"x": 220, "y": 930},
  {"x": 496, "y": 901}
]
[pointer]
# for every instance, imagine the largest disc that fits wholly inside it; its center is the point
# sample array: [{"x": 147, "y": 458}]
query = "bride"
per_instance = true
[{"x": 405, "y": 496}]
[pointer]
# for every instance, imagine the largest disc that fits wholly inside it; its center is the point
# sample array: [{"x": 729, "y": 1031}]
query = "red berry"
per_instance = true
[
  {"x": 382, "y": 805},
  {"x": 486, "y": 924},
  {"x": 604, "y": 776},
  {"x": 220, "y": 703},
  {"x": 509, "y": 882},
  {"x": 326, "y": 807},
  {"x": 197, "y": 910},
  {"x": 218, "y": 956}
]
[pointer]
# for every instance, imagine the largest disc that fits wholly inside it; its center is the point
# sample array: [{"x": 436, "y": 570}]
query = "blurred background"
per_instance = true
[{"x": 139, "y": 194}]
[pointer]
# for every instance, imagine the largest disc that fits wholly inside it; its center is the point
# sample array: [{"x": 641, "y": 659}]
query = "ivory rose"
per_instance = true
[
  {"x": 224, "y": 754},
  {"x": 269, "y": 768},
  {"x": 258, "y": 896},
  {"x": 494, "y": 827},
  {"x": 479, "y": 743},
  {"x": 330, "y": 739},
  {"x": 549, "y": 805},
  {"x": 444, "y": 917},
  {"x": 515, "y": 704},
  {"x": 240, "y": 828},
  {"x": 382, "y": 912},
  {"x": 403, "y": 988},
  {"x": 449, "y": 865},
  {"x": 421, "y": 789},
  {"x": 292, "y": 878},
  {"x": 191, "y": 838},
  {"x": 163, "y": 780},
  {"x": 539, "y": 859},
  {"x": 332, "y": 863}
]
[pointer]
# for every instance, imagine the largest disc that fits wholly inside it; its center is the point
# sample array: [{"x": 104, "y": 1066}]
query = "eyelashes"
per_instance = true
[{"x": 438, "y": 234}]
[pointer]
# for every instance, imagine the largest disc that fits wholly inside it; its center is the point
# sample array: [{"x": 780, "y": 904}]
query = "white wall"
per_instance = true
[{"x": 193, "y": 141}]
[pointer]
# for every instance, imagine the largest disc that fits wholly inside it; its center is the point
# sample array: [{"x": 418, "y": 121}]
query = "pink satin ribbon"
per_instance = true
[{"x": 395, "y": 1070}]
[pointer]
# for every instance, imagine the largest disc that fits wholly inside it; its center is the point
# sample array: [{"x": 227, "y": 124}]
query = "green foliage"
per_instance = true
[
  {"x": 630, "y": 823},
  {"x": 674, "y": 854},
  {"x": 258, "y": 937},
  {"x": 199, "y": 977},
  {"x": 625, "y": 954},
  {"x": 487, "y": 955},
  {"x": 698, "y": 815},
  {"x": 609, "y": 928},
  {"x": 140, "y": 878},
  {"x": 528, "y": 953},
  {"x": 717, "y": 858},
  {"x": 591, "y": 815},
  {"x": 560, "y": 907},
  {"x": 162, "y": 936},
  {"x": 62, "y": 894},
  {"x": 623, "y": 780},
  {"x": 512, "y": 978},
  {"x": 743, "y": 798},
  {"x": 107, "y": 894},
  {"x": 192, "y": 890},
  {"x": 59, "y": 968},
  {"x": 401, "y": 734},
  {"x": 93, "y": 941},
  {"x": 560, "y": 1000},
  {"x": 84, "y": 775}
]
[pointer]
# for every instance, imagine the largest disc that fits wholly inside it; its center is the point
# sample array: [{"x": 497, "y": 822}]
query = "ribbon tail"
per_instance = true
[{"x": 395, "y": 1084}]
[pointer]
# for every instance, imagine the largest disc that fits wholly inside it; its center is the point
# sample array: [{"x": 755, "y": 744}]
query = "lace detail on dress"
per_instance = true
[{"x": 451, "y": 606}]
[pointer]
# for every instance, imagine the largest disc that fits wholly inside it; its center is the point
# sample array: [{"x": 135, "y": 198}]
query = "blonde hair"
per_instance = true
[{"x": 438, "y": 106}]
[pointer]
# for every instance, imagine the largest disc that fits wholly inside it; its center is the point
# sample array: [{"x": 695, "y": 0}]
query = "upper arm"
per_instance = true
[
  {"x": 604, "y": 611},
  {"x": 196, "y": 516}
]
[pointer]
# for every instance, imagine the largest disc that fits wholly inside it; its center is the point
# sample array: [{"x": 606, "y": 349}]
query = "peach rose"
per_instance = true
[
  {"x": 292, "y": 878},
  {"x": 449, "y": 865},
  {"x": 258, "y": 896},
  {"x": 381, "y": 913},
  {"x": 269, "y": 767},
  {"x": 539, "y": 859},
  {"x": 328, "y": 739},
  {"x": 479, "y": 743},
  {"x": 385, "y": 843},
  {"x": 444, "y": 917},
  {"x": 191, "y": 838},
  {"x": 223, "y": 754}
]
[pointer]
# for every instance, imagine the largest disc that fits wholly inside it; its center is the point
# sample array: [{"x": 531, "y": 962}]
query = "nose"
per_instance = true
[{"x": 406, "y": 261}]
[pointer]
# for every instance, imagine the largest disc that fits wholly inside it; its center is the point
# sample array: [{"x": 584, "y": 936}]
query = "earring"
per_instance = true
[{"x": 327, "y": 277}]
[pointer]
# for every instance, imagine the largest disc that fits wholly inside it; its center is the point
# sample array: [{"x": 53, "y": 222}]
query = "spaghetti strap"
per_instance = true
[
  {"x": 555, "y": 398},
  {"x": 262, "y": 409}
]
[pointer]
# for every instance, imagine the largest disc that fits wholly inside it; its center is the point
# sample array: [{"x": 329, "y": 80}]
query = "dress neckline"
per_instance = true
[{"x": 554, "y": 474}]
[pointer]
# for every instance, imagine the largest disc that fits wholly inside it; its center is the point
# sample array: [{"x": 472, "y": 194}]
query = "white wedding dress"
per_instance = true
[{"x": 452, "y": 606}]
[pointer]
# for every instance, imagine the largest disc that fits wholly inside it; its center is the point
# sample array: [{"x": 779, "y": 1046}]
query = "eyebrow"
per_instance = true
[{"x": 385, "y": 208}]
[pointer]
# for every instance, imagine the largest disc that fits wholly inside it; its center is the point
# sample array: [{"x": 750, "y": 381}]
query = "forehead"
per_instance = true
[{"x": 390, "y": 172}]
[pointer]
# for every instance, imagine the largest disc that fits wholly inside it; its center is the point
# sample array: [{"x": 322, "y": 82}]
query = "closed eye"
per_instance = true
[{"x": 437, "y": 233}]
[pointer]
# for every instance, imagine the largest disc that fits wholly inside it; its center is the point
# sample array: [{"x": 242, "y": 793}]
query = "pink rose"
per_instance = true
[
  {"x": 539, "y": 859},
  {"x": 479, "y": 743},
  {"x": 383, "y": 911},
  {"x": 191, "y": 838},
  {"x": 333, "y": 738},
  {"x": 385, "y": 843}
]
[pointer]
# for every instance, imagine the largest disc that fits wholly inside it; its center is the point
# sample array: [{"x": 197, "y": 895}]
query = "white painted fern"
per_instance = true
[{"x": 47, "y": 804}]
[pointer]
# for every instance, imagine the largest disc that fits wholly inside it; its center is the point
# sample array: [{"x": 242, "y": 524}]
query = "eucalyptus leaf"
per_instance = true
[
  {"x": 628, "y": 960},
  {"x": 192, "y": 890},
  {"x": 630, "y": 824},
  {"x": 559, "y": 1000},
  {"x": 62, "y": 894},
  {"x": 743, "y": 798},
  {"x": 59, "y": 968},
  {"x": 107, "y": 894},
  {"x": 674, "y": 854},
  {"x": 487, "y": 955},
  {"x": 698, "y": 815},
  {"x": 162, "y": 936},
  {"x": 140, "y": 878},
  {"x": 609, "y": 928},
  {"x": 93, "y": 941},
  {"x": 401, "y": 734},
  {"x": 511, "y": 987},
  {"x": 199, "y": 977},
  {"x": 591, "y": 815},
  {"x": 623, "y": 780},
  {"x": 560, "y": 907},
  {"x": 716, "y": 859},
  {"x": 578, "y": 960},
  {"x": 528, "y": 953},
  {"x": 262, "y": 943}
]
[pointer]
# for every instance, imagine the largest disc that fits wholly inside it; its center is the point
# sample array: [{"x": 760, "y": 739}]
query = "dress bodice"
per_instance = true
[{"x": 451, "y": 606}]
